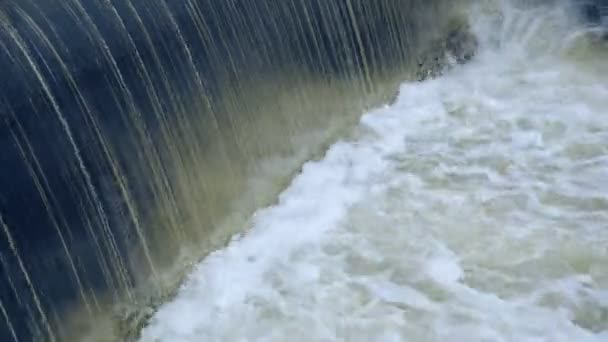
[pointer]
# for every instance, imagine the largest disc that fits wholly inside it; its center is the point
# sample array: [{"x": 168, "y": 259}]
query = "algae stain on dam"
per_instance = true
[{"x": 137, "y": 136}]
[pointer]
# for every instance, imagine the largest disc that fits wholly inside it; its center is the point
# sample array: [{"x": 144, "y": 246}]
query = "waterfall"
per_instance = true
[{"x": 137, "y": 136}]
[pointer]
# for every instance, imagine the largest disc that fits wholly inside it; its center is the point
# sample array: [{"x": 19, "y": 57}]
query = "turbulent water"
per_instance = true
[{"x": 475, "y": 208}]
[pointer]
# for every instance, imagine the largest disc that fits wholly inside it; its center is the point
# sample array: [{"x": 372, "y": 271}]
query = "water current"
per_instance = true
[{"x": 473, "y": 208}]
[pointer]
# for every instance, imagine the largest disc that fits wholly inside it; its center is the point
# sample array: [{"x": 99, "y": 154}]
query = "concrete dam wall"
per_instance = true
[{"x": 138, "y": 135}]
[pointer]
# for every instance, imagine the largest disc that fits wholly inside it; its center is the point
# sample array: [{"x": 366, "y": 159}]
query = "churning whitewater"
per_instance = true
[{"x": 475, "y": 208}]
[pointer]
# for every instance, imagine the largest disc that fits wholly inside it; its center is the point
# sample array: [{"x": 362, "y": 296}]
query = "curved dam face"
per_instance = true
[{"x": 138, "y": 135}]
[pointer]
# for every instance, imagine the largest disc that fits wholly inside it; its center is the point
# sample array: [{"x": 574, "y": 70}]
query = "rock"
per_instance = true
[
  {"x": 461, "y": 45},
  {"x": 458, "y": 47}
]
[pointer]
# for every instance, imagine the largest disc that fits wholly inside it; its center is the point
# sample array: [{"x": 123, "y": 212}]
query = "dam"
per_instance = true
[
  {"x": 137, "y": 136},
  {"x": 303, "y": 170}
]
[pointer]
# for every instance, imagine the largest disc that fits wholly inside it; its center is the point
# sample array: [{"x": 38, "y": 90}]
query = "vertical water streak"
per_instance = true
[
  {"x": 91, "y": 190},
  {"x": 8, "y": 322},
  {"x": 42, "y": 185},
  {"x": 26, "y": 275}
]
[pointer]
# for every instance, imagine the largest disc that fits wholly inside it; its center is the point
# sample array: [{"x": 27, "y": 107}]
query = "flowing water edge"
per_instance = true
[{"x": 474, "y": 208}]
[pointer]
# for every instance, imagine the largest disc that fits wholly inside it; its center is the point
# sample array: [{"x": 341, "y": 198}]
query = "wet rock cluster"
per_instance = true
[
  {"x": 458, "y": 47},
  {"x": 593, "y": 12}
]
